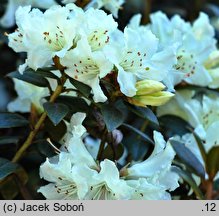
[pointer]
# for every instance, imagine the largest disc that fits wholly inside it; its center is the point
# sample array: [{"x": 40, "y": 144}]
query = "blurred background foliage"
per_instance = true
[{"x": 9, "y": 61}]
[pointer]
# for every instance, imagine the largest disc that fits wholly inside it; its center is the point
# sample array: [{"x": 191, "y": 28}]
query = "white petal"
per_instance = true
[
  {"x": 79, "y": 153},
  {"x": 126, "y": 82},
  {"x": 160, "y": 159}
]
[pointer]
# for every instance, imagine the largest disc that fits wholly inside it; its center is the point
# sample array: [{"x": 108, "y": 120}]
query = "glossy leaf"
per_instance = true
[
  {"x": 44, "y": 72},
  {"x": 186, "y": 176},
  {"x": 9, "y": 140},
  {"x": 30, "y": 77},
  {"x": 74, "y": 104},
  {"x": 81, "y": 87},
  {"x": 201, "y": 147},
  {"x": 112, "y": 117},
  {"x": 212, "y": 161},
  {"x": 144, "y": 112},
  {"x": 56, "y": 111},
  {"x": 9, "y": 120},
  {"x": 6, "y": 168},
  {"x": 173, "y": 125},
  {"x": 140, "y": 133},
  {"x": 188, "y": 158},
  {"x": 55, "y": 132}
]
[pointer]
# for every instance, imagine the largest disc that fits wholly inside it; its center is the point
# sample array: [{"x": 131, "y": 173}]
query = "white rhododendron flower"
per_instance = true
[
  {"x": 27, "y": 94},
  {"x": 75, "y": 127},
  {"x": 192, "y": 43},
  {"x": 97, "y": 26},
  {"x": 137, "y": 59},
  {"x": 200, "y": 114},
  {"x": 211, "y": 140},
  {"x": 111, "y": 5},
  {"x": 197, "y": 42},
  {"x": 167, "y": 57},
  {"x": 107, "y": 184},
  {"x": 157, "y": 168},
  {"x": 68, "y": 1},
  {"x": 87, "y": 67},
  {"x": 67, "y": 181},
  {"x": 108, "y": 79},
  {"x": 147, "y": 180},
  {"x": 43, "y": 35},
  {"x": 8, "y": 19}
]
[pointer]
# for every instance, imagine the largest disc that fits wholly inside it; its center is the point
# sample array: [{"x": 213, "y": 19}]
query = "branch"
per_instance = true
[{"x": 38, "y": 125}]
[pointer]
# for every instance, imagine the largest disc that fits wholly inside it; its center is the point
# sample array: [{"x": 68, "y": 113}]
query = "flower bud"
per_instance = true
[
  {"x": 149, "y": 92},
  {"x": 145, "y": 87},
  {"x": 213, "y": 60}
]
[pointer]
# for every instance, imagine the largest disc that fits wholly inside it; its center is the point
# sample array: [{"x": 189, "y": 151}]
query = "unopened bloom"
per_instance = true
[
  {"x": 211, "y": 65},
  {"x": 149, "y": 92}
]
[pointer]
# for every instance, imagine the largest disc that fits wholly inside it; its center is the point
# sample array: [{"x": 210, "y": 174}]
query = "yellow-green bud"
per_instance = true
[
  {"x": 213, "y": 60},
  {"x": 149, "y": 92},
  {"x": 154, "y": 99},
  {"x": 148, "y": 87}
]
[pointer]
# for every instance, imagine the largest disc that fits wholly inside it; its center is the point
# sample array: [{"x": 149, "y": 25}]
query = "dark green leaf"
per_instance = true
[
  {"x": 138, "y": 132},
  {"x": 9, "y": 140},
  {"x": 9, "y": 188},
  {"x": 186, "y": 176},
  {"x": 81, "y": 87},
  {"x": 7, "y": 168},
  {"x": 45, "y": 73},
  {"x": 30, "y": 77},
  {"x": 201, "y": 146},
  {"x": 55, "y": 132},
  {"x": 188, "y": 158},
  {"x": 213, "y": 161},
  {"x": 112, "y": 117},
  {"x": 45, "y": 148},
  {"x": 9, "y": 120},
  {"x": 138, "y": 151},
  {"x": 145, "y": 113},
  {"x": 75, "y": 104},
  {"x": 173, "y": 125},
  {"x": 56, "y": 111}
]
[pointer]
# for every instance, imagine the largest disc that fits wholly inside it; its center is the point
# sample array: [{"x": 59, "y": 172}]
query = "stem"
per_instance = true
[
  {"x": 100, "y": 152},
  {"x": 147, "y": 11},
  {"x": 38, "y": 125},
  {"x": 143, "y": 127},
  {"x": 209, "y": 188},
  {"x": 102, "y": 145}
]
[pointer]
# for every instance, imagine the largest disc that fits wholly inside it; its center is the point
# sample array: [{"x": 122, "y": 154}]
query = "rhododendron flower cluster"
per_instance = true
[{"x": 117, "y": 113}]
